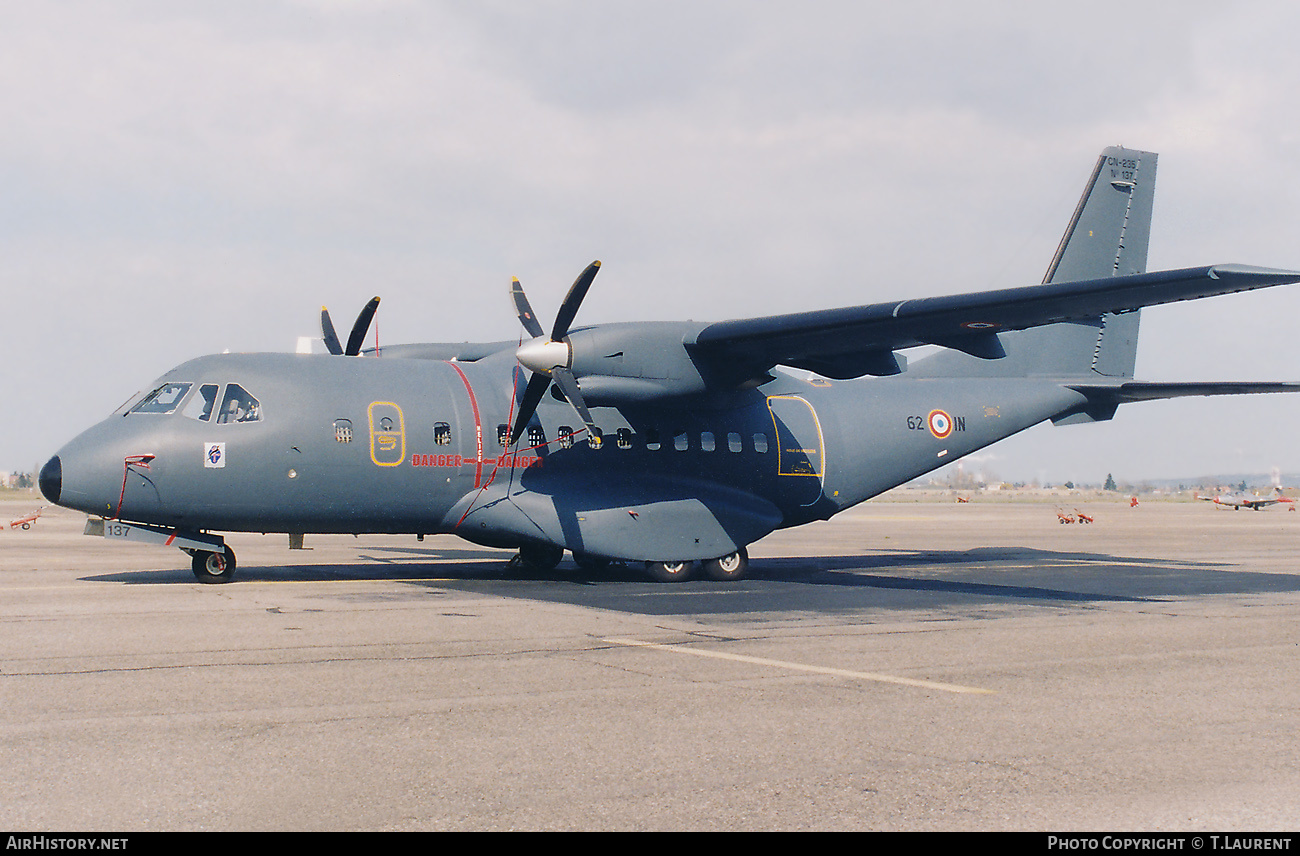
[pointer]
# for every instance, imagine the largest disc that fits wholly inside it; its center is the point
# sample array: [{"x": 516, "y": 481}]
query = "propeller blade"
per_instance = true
[
  {"x": 540, "y": 356},
  {"x": 359, "y": 329},
  {"x": 568, "y": 385},
  {"x": 328, "y": 335},
  {"x": 524, "y": 310},
  {"x": 537, "y": 385},
  {"x": 572, "y": 300}
]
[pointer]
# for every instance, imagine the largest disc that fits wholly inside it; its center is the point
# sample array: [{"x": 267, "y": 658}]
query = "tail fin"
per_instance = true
[
  {"x": 1111, "y": 226},
  {"x": 1107, "y": 236}
]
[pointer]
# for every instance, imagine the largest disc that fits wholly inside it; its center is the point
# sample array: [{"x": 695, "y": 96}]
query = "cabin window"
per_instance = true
[
  {"x": 733, "y": 442},
  {"x": 565, "y": 437},
  {"x": 597, "y": 438},
  {"x": 652, "y": 439},
  {"x": 164, "y": 399},
  {"x": 707, "y": 443},
  {"x": 682, "y": 442},
  {"x": 536, "y": 436},
  {"x": 202, "y": 404},
  {"x": 343, "y": 430},
  {"x": 624, "y": 438},
  {"x": 760, "y": 443},
  {"x": 239, "y": 406},
  {"x": 441, "y": 434}
]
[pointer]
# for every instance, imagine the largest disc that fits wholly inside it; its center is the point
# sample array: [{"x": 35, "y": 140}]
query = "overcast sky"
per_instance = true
[{"x": 186, "y": 178}]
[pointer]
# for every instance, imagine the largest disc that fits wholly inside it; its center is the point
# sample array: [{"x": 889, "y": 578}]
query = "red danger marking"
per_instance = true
[
  {"x": 509, "y": 461},
  {"x": 438, "y": 460},
  {"x": 940, "y": 423}
]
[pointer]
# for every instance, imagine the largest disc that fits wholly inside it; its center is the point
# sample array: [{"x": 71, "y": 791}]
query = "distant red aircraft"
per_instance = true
[{"x": 1254, "y": 503}]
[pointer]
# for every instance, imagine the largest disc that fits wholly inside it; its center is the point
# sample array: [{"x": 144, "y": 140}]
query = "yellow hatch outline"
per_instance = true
[
  {"x": 400, "y": 432},
  {"x": 821, "y": 440}
]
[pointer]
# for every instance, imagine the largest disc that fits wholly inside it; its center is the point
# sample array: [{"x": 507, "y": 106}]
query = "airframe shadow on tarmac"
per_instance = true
[{"x": 985, "y": 574}]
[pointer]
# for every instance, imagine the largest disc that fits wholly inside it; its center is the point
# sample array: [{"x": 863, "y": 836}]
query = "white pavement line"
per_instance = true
[{"x": 799, "y": 667}]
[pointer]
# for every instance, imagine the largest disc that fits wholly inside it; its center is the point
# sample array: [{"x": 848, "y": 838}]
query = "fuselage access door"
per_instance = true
[{"x": 800, "y": 447}]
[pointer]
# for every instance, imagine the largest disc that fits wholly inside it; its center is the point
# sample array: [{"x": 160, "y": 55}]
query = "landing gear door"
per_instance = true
[{"x": 800, "y": 447}]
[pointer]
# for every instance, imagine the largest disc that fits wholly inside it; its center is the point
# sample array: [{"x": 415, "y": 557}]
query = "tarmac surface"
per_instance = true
[{"x": 902, "y": 667}]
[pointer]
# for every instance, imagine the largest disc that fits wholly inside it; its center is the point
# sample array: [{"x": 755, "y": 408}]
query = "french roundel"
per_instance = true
[{"x": 940, "y": 423}]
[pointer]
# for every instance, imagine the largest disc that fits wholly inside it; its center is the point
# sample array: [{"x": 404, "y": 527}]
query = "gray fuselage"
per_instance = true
[{"x": 418, "y": 446}]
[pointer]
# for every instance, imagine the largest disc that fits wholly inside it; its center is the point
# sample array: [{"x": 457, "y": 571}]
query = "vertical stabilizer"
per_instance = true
[
  {"x": 1107, "y": 236},
  {"x": 1111, "y": 226}
]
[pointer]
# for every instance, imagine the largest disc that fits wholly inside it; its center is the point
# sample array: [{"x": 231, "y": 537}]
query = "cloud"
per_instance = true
[{"x": 184, "y": 177}]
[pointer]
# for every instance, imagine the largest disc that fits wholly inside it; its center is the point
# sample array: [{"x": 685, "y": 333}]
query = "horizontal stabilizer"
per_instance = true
[{"x": 1131, "y": 391}]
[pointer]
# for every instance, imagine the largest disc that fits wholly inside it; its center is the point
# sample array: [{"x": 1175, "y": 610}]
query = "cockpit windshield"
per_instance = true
[
  {"x": 239, "y": 406},
  {"x": 202, "y": 404},
  {"x": 164, "y": 399}
]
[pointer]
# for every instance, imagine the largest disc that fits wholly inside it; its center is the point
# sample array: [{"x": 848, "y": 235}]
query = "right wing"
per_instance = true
[{"x": 851, "y": 342}]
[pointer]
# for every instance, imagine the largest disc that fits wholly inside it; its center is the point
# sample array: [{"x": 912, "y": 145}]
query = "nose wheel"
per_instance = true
[{"x": 211, "y": 567}]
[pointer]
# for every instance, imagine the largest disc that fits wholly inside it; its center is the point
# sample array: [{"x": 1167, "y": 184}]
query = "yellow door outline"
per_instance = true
[
  {"x": 797, "y": 461},
  {"x": 387, "y": 446}
]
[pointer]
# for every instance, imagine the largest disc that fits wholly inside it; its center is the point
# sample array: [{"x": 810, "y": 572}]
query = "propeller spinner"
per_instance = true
[
  {"x": 549, "y": 359},
  {"x": 357, "y": 335}
]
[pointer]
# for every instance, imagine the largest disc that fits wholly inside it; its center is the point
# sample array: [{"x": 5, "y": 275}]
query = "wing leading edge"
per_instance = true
[{"x": 860, "y": 340}]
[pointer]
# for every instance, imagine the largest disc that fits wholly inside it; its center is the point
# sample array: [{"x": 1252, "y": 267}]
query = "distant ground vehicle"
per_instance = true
[{"x": 26, "y": 522}]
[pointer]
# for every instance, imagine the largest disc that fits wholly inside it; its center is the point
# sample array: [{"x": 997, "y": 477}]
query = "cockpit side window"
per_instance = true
[
  {"x": 238, "y": 406},
  {"x": 164, "y": 399},
  {"x": 202, "y": 404}
]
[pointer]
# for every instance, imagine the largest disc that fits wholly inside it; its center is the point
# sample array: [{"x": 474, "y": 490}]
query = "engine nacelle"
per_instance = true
[{"x": 628, "y": 363}]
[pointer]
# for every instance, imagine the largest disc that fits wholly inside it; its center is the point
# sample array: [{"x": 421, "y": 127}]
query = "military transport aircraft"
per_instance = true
[
  {"x": 1255, "y": 503},
  {"x": 673, "y": 444}
]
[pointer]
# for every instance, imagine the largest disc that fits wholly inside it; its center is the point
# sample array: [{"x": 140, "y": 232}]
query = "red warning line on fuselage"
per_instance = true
[
  {"x": 478, "y": 425},
  {"x": 507, "y": 461}
]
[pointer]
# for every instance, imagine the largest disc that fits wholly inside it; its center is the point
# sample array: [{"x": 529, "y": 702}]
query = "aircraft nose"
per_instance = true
[{"x": 51, "y": 479}]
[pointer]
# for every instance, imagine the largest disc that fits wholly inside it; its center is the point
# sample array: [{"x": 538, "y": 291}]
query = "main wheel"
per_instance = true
[
  {"x": 212, "y": 567},
  {"x": 728, "y": 568},
  {"x": 669, "y": 572}
]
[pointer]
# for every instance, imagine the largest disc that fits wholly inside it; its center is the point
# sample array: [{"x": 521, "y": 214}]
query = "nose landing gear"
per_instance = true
[{"x": 212, "y": 567}]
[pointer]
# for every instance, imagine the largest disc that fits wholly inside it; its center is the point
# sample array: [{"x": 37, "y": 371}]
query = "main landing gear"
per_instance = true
[
  {"x": 212, "y": 567},
  {"x": 546, "y": 557},
  {"x": 726, "y": 569}
]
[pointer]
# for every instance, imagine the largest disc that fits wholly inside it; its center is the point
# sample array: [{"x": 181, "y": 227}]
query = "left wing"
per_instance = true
[{"x": 851, "y": 342}]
